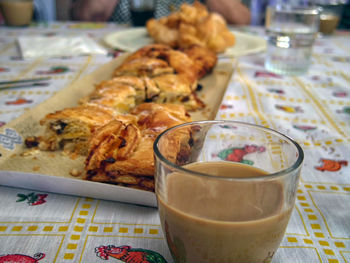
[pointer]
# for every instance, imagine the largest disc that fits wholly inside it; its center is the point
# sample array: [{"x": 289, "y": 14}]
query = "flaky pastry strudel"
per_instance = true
[
  {"x": 179, "y": 61},
  {"x": 71, "y": 127},
  {"x": 176, "y": 89},
  {"x": 171, "y": 74},
  {"x": 115, "y": 126},
  {"x": 122, "y": 153},
  {"x": 143, "y": 66}
]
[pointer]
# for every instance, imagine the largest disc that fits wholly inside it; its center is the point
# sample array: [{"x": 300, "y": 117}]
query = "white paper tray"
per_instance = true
[
  {"x": 50, "y": 171},
  {"x": 71, "y": 186}
]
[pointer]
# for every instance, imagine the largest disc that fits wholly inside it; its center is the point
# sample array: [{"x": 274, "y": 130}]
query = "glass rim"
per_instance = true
[
  {"x": 280, "y": 173},
  {"x": 312, "y": 10}
]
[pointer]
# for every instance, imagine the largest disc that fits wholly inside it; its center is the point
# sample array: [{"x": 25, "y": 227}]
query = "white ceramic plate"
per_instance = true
[{"x": 133, "y": 39}]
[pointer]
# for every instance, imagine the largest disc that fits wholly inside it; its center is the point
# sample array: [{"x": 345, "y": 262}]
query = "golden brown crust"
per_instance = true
[
  {"x": 159, "y": 117},
  {"x": 139, "y": 163},
  {"x": 183, "y": 65},
  {"x": 115, "y": 128},
  {"x": 143, "y": 88},
  {"x": 113, "y": 142},
  {"x": 119, "y": 96},
  {"x": 192, "y": 24},
  {"x": 73, "y": 125},
  {"x": 118, "y": 150},
  {"x": 149, "y": 51},
  {"x": 90, "y": 114},
  {"x": 172, "y": 87},
  {"x": 162, "y": 33},
  {"x": 135, "y": 182},
  {"x": 204, "y": 59},
  {"x": 175, "y": 89},
  {"x": 159, "y": 74},
  {"x": 136, "y": 83},
  {"x": 175, "y": 59},
  {"x": 143, "y": 66}
]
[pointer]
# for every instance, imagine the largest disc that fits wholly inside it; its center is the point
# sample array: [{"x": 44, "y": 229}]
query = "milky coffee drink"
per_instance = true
[{"x": 208, "y": 220}]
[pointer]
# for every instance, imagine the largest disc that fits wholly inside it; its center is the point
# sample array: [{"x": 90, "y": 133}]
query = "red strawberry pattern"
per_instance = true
[
  {"x": 128, "y": 254},
  {"x": 236, "y": 154},
  {"x": 19, "y": 258},
  {"x": 225, "y": 106},
  {"x": 331, "y": 165},
  {"x": 304, "y": 127},
  {"x": 18, "y": 101},
  {"x": 32, "y": 198},
  {"x": 4, "y": 69},
  {"x": 266, "y": 75},
  {"x": 54, "y": 70}
]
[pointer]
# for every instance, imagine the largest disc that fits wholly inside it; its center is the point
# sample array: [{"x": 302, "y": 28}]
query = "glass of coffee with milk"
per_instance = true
[{"x": 225, "y": 190}]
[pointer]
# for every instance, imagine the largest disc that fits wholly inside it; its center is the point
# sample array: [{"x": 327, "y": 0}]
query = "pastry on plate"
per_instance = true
[
  {"x": 178, "y": 60},
  {"x": 142, "y": 85},
  {"x": 158, "y": 74},
  {"x": 176, "y": 88},
  {"x": 71, "y": 127},
  {"x": 150, "y": 51},
  {"x": 143, "y": 66},
  {"x": 122, "y": 93},
  {"x": 204, "y": 59},
  {"x": 119, "y": 97},
  {"x": 122, "y": 153},
  {"x": 192, "y": 25},
  {"x": 159, "y": 117}
]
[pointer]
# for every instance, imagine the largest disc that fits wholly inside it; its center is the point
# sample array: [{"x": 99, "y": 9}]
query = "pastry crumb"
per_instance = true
[
  {"x": 30, "y": 152},
  {"x": 36, "y": 168},
  {"x": 75, "y": 172}
]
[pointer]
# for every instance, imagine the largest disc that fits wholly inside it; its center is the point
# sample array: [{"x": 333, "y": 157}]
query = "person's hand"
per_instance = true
[
  {"x": 93, "y": 10},
  {"x": 233, "y": 11}
]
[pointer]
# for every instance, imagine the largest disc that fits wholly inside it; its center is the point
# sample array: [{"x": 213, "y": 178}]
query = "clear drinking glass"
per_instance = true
[
  {"x": 225, "y": 190},
  {"x": 291, "y": 32}
]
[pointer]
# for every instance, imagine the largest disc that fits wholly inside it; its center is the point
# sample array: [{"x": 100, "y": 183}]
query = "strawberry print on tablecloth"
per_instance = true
[
  {"x": 128, "y": 254},
  {"x": 19, "y": 258},
  {"x": 32, "y": 199}
]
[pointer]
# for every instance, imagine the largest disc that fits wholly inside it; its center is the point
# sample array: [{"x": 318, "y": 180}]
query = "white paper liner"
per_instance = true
[{"x": 56, "y": 46}]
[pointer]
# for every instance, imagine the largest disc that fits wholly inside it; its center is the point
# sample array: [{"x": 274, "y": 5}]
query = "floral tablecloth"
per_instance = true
[{"x": 314, "y": 109}]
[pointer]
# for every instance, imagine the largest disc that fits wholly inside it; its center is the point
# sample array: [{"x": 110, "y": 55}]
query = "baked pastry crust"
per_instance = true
[
  {"x": 121, "y": 152},
  {"x": 137, "y": 83},
  {"x": 71, "y": 126},
  {"x": 177, "y": 60},
  {"x": 204, "y": 59},
  {"x": 149, "y": 51},
  {"x": 176, "y": 89},
  {"x": 115, "y": 127},
  {"x": 120, "y": 97},
  {"x": 143, "y": 66},
  {"x": 169, "y": 86},
  {"x": 192, "y": 25}
]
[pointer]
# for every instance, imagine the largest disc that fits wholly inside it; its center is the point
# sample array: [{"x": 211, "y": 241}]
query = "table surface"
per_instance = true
[{"x": 314, "y": 109}]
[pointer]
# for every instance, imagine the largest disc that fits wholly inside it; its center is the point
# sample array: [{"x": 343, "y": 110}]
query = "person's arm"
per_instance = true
[
  {"x": 93, "y": 10},
  {"x": 232, "y": 10}
]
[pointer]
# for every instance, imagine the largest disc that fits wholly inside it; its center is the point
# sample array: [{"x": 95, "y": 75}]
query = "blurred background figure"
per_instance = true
[
  {"x": 258, "y": 10},
  {"x": 345, "y": 21},
  {"x": 234, "y": 11},
  {"x": 98, "y": 10},
  {"x": 44, "y": 10}
]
